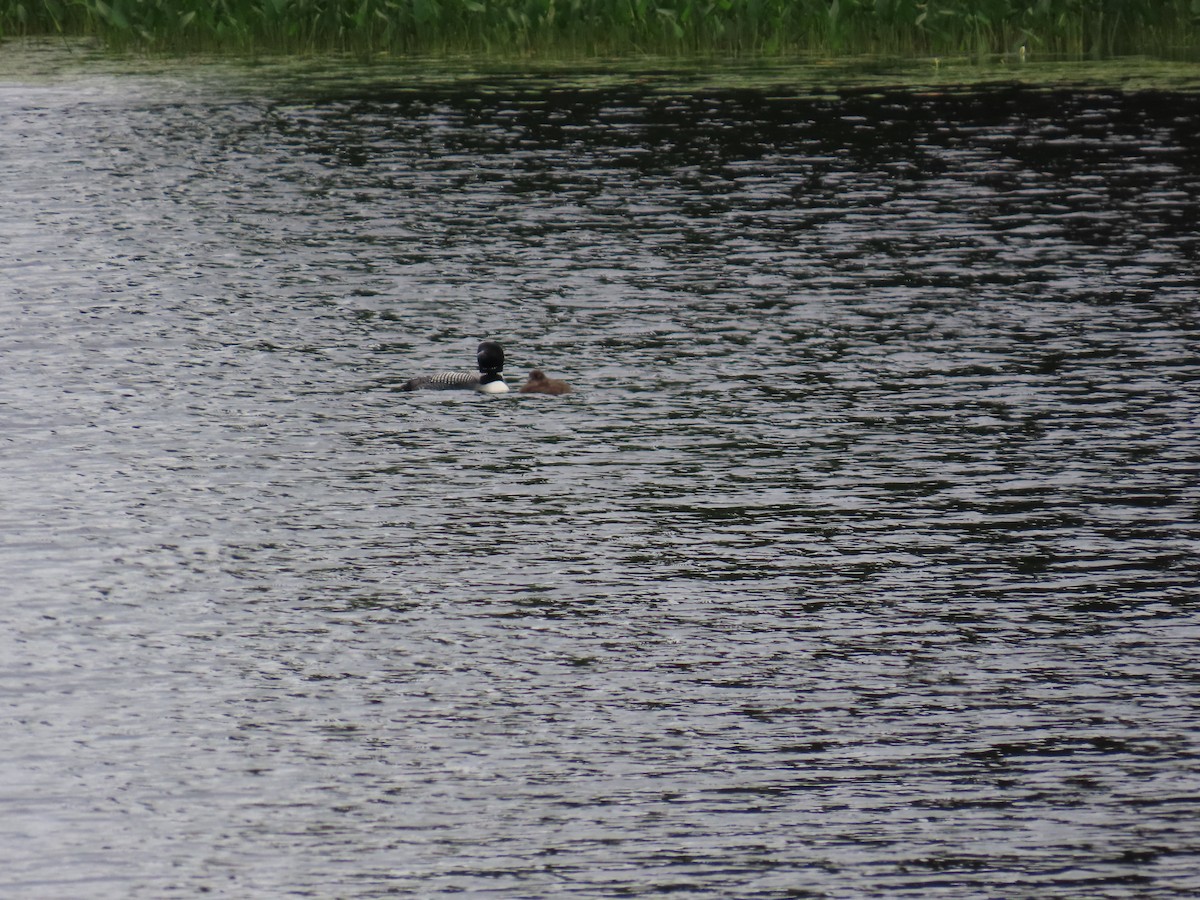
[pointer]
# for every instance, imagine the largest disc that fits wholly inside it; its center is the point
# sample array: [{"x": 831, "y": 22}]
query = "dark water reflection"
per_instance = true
[{"x": 861, "y": 562}]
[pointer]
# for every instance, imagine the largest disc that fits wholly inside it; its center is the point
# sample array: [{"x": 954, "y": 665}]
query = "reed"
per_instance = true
[{"x": 568, "y": 27}]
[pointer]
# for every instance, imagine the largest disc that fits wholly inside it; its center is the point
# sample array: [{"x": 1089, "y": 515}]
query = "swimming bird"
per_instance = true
[
  {"x": 489, "y": 379},
  {"x": 538, "y": 383}
]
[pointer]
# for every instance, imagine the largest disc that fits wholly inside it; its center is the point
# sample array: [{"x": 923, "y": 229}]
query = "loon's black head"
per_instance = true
[{"x": 490, "y": 357}]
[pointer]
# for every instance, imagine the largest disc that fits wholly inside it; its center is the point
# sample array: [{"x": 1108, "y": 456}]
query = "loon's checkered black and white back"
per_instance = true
[{"x": 444, "y": 380}]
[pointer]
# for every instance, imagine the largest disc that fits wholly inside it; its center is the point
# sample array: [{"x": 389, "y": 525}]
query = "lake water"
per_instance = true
[{"x": 861, "y": 562}]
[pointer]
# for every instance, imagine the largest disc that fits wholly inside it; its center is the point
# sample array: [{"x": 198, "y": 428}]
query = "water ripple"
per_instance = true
[{"x": 861, "y": 560}]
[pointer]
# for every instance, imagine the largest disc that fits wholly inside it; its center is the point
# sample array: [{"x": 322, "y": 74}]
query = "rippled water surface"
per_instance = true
[{"x": 862, "y": 561}]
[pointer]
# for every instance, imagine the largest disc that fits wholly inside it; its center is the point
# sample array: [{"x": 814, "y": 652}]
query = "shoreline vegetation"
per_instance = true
[{"x": 1067, "y": 28}]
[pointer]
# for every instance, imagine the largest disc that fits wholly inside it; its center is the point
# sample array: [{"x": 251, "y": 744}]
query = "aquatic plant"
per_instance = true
[{"x": 1073, "y": 27}]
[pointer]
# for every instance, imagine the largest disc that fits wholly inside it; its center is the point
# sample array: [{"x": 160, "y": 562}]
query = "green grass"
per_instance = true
[{"x": 598, "y": 27}]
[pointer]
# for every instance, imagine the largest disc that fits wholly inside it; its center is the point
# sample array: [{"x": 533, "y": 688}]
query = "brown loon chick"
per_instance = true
[{"x": 538, "y": 383}]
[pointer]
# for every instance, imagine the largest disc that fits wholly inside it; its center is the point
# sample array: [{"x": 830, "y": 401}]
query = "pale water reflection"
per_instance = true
[{"x": 861, "y": 561}]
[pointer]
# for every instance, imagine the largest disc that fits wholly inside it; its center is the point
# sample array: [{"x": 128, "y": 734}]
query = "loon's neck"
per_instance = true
[{"x": 491, "y": 383}]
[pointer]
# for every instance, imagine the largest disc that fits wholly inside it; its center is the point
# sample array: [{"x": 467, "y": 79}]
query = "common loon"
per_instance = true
[
  {"x": 538, "y": 383},
  {"x": 489, "y": 379}
]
